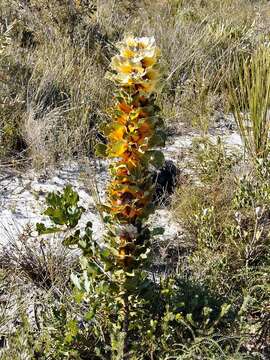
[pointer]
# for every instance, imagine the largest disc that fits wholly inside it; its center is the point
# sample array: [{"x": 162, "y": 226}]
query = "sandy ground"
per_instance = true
[{"x": 22, "y": 195}]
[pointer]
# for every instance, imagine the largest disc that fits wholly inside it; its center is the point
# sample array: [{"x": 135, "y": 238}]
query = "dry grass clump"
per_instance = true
[
  {"x": 63, "y": 103},
  {"x": 210, "y": 186},
  {"x": 53, "y": 82},
  {"x": 42, "y": 265},
  {"x": 35, "y": 278},
  {"x": 198, "y": 41},
  {"x": 249, "y": 97}
]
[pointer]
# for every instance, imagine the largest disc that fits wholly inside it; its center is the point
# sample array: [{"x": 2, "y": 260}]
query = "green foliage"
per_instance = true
[
  {"x": 211, "y": 310},
  {"x": 63, "y": 210},
  {"x": 162, "y": 317},
  {"x": 161, "y": 314},
  {"x": 155, "y": 158},
  {"x": 227, "y": 235},
  {"x": 212, "y": 160}
]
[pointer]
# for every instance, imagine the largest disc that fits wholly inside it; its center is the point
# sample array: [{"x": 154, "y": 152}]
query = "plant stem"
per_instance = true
[{"x": 125, "y": 328}]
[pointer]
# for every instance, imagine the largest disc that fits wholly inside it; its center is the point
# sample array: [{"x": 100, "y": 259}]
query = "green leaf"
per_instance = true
[
  {"x": 84, "y": 262},
  {"x": 130, "y": 274},
  {"x": 42, "y": 229},
  {"x": 158, "y": 139},
  {"x": 107, "y": 219},
  {"x": 70, "y": 196},
  {"x": 118, "y": 148},
  {"x": 56, "y": 215},
  {"x": 155, "y": 157},
  {"x": 101, "y": 150},
  {"x": 89, "y": 315},
  {"x": 64, "y": 209},
  {"x": 93, "y": 269},
  {"x": 108, "y": 266},
  {"x": 78, "y": 295},
  {"x": 225, "y": 308},
  {"x": 105, "y": 253},
  {"x": 89, "y": 225},
  {"x": 157, "y": 231},
  {"x": 53, "y": 199},
  {"x": 82, "y": 244},
  {"x": 72, "y": 330},
  {"x": 86, "y": 282},
  {"x": 72, "y": 239}
]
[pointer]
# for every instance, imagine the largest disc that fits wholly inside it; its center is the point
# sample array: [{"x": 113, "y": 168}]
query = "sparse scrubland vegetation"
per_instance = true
[{"x": 112, "y": 299}]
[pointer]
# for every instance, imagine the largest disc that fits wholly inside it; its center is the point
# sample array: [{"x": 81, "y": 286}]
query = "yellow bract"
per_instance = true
[
  {"x": 135, "y": 66},
  {"x": 117, "y": 132},
  {"x": 118, "y": 148}
]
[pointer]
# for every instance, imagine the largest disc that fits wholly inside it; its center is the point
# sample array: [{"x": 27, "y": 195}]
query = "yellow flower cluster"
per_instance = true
[
  {"x": 133, "y": 132},
  {"x": 136, "y": 64}
]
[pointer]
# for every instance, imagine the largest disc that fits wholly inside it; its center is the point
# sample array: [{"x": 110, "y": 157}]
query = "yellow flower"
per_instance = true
[
  {"x": 126, "y": 66},
  {"x": 135, "y": 64},
  {"x": 137, "y": 43}
]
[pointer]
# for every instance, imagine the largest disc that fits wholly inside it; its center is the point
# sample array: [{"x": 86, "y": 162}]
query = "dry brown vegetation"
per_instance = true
[{"x": 55, "y": 55}]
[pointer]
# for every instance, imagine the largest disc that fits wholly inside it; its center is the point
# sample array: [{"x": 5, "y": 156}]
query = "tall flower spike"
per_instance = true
[{"x": 131, "y": 135}]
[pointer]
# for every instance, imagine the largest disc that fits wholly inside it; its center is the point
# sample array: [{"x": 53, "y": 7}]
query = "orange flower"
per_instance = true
[{"x": 124, "y": 107}]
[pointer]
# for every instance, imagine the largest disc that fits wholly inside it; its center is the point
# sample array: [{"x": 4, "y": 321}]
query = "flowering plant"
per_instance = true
[
  {"x": 112, "y": 280},
  {"x": 133, "y": 132}
]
